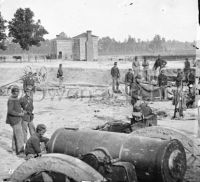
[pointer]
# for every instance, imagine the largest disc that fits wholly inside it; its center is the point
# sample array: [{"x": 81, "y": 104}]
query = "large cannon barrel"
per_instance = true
[{"x": 154, "y": 159}]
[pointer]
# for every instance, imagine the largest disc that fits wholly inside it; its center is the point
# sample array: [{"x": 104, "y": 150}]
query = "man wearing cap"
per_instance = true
[
  {"x": 14, "y": 118},
  {"x": 33, "y": 148},
  {"x": 162, "y": 83},
  {"x": 60, "y": 75},
  {"x": 129, "y": 79},
  {"x": 186, "y": 69},
  {"x": 115, "y": 78},
  {"x": 159, "y": 63},
  {"x": 179, "y": 78},
  {"x": 29, "y": 82},
  {"x": 27, "y": 120}
]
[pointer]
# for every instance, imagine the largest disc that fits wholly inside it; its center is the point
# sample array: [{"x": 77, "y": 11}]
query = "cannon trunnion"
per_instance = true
[{"x": 123, "y": 157}]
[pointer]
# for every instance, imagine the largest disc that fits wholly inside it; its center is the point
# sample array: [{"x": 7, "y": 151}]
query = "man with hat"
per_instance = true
[
  {"x": 27, "y": 120},
  {"x": 33, "y": 148},
  {"x": 29, "y": 82},
  {"x": 162, "y": 83},
  {"x": 129, "y": 79},
  {"x": 60, "y": 75},
  {"x": 136, "y": 65},
  {"x": 14, "y": 118},
  {"x": 186, "y": 69},
  {"x": 115, "y": 78}
]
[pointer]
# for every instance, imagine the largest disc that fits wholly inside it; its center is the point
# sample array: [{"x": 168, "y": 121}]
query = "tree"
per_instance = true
[
  {"x": 2, "y": 33},
  {"x": 24, "y": 30}
]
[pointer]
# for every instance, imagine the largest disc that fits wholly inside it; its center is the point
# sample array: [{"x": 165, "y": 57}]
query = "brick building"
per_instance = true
[{"x": 83, "y": 47}]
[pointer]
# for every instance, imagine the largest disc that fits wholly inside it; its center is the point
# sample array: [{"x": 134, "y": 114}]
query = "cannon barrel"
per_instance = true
[{"x": 154, "y": 159}]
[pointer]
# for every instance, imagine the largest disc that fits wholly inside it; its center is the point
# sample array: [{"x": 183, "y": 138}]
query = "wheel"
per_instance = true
[
  {"x": 55, "y": 167},
  {"x": 42, "y": 74}
]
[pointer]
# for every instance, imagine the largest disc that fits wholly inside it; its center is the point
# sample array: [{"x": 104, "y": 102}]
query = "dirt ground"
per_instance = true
[{"x": 57, "y": 110}]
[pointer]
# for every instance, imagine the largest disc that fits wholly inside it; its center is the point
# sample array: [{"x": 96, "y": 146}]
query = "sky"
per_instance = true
[{"x": 172, "y": 19}]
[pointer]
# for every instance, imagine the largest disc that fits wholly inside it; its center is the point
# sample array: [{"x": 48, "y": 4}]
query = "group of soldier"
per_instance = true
[
  {"x": 20, "y": 117},
  {"x": 133, "y": 78},
  {"x": 133, "y": 73}
]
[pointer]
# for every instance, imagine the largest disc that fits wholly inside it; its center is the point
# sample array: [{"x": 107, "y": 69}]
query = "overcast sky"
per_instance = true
[{"x": 172, "y": 19}]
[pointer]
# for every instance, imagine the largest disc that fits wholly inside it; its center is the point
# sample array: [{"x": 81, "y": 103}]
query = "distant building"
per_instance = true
[
  {"x": 62, "y": 48},
  {"x": 83, "y": 47}
]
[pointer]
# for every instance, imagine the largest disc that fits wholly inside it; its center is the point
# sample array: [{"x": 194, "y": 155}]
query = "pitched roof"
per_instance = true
[
  {"x": 61, "y": 38},
  {"x": 83, "y": 35}
]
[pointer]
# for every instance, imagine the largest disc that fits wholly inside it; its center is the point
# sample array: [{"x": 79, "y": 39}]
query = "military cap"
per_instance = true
[
  {"x": 41, "y": 127},
  {"x": 28, "y": 89},
  {"x": 15, "y": 88}
]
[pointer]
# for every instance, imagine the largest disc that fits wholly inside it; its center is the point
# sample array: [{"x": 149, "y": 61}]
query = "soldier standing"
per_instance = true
[
  {"x": 178, "y": 95},
  {"x": 27, "y": 120},
  {"x": 60, "y": 74},
  {"x": 115, "y": 78},
  {"x": 145, "y": 65},
  {"x": 136, "y": 66},
  {"x": 179, "y": 79},
  {"x": 186, "y": 69},
  {"x": 162, "y": 83},
  {"x": 129, "y": 79},
  {"x": 14, "y": 118},
  {"x": 29, "y": 82},
  {"x": 159, "y": 63}
]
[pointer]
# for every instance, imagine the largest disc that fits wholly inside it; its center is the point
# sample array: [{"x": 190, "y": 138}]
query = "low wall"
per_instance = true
[{"x": 71, "y": 75}]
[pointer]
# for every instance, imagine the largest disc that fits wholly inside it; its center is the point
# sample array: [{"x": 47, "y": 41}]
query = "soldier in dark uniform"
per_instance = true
[
  {"x": 129, "y": 79},
  {"x": 135, "y": 91},
  {"x": 29, "y": 82},
  {"x": 14, "y": 118},
  {"x": 27, "y": 120},
  {"x": 33, "y": 148},
  {"x": 162, "y": 83},
  {"x": 60, "y": 74},
  {"x": 159, "y": 63},
  {"x": 179, "y": 78},
  {"x": 115, "y": 78},
  {"x": 186, "y": 69}
]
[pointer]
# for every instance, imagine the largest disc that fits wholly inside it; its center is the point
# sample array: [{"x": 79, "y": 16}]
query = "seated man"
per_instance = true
[{"x": 33, "y": 144}]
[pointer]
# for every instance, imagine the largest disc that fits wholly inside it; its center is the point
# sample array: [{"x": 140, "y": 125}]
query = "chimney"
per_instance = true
[{"x": 89, "y": 34}]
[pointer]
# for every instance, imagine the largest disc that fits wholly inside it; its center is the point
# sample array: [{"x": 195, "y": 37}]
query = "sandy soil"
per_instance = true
[{"x": 56, "y": 111}]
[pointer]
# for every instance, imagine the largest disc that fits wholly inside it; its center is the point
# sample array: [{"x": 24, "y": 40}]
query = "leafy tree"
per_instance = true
[
  {"x": 24, "y": 30},
  {"x": 2, "y": 33}
]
